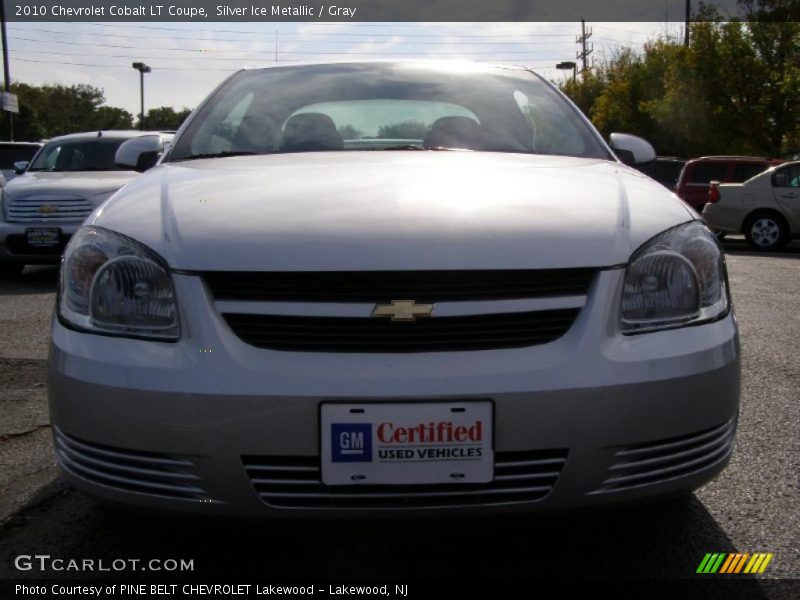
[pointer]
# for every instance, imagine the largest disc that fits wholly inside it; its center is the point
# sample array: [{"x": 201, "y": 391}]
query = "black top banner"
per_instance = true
[{"x": 397, "y": 10}]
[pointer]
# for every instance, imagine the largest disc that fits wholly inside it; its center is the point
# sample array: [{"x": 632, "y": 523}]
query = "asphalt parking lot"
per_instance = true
[{"x": 753, "y": 506}]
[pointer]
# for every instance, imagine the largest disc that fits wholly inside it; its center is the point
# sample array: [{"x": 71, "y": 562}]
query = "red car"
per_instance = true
[{"x": 697, "y": 174}]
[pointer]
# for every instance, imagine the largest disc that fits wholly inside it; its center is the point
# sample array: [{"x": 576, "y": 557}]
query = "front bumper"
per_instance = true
[{"x": 194, "y": 425}]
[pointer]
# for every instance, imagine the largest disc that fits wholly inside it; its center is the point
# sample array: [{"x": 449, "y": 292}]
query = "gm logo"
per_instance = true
[{"x": 352, "y": 442}]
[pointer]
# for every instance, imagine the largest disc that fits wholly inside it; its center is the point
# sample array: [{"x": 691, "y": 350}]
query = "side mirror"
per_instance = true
[
  {"x": 21, "y": 166},
  {"x": 631, "y": 149},
  {"x": 140, "y": 153}
]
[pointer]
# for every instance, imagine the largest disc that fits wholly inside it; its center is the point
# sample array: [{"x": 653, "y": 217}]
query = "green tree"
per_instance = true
[
  {"x": 734, "y": 90},
  {"x": 51, "y": 110},
  {"x": 165, "y": 118},
  {"x": 349, "y": 132},
  {"x": 407, "y": 130},
  {"x": 111, "y": 117}
]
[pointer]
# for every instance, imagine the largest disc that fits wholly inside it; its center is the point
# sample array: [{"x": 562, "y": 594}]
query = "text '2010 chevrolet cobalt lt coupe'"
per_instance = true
[{"x": 386, "y": 287}]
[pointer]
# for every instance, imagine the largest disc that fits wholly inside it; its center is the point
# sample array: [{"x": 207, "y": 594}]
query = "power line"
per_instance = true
[
  {"x": 307, "y": 33},
  {"x": 266, "y": 56},
  {"x": 623, "y": 30},
  {"x": 125, "y": 66},
  {"x": 156, "y": 68},
  {"x": 284, "y": 36},
  {"x": 316, "y": 53},
  {"x": 394, "y": 26}
]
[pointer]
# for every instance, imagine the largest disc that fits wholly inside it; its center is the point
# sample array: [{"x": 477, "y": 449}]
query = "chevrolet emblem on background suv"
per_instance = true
[
  {"x": 402, "y": 310},
  {"x": 48, "y": 209}
]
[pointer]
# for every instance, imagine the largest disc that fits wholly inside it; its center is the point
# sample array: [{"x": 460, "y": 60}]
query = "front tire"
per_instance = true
[{"x": 766, "y": 232}]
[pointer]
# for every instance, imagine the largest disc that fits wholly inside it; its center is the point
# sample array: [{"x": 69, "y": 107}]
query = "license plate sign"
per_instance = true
[
  {"x": 44, "y": 237},
  {"x": 407, "y": 444}
]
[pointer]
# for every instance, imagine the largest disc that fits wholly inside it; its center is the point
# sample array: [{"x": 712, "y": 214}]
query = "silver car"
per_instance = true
[{"x": 392, "y": 287}]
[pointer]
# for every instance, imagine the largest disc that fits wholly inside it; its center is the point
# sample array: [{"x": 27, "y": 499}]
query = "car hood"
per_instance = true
[
  {"x": 82, "y": 184},
  {"x": 392, "y": 211}
]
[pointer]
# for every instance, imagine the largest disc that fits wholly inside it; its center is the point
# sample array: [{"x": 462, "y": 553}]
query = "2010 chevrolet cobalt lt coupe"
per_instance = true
[{"x": 377, "y": 287}]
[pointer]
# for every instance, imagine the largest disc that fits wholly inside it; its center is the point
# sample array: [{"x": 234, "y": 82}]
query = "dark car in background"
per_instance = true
[
  {"x": 13, "y": 152},
  {"x": 665, "y": 170},
  {"x": 698, "y": 173}
]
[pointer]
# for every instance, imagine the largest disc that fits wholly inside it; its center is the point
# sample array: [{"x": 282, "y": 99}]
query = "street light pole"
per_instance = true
[
  {"x": 569, "y": 64},
  {"x": 142, "y": 68}
]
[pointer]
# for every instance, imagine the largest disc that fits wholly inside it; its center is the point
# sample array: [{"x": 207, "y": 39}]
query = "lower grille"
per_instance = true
[
  {"x": 132, "y": 471},
  {"x": 335, "y": 334},
  {"x": 655, "y": 462},
  {"x": 295, "y": 482}
]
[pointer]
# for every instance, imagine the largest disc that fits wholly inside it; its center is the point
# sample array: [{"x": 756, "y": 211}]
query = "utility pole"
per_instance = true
[
  {"x": 6, "y": 74},
  {"x": 586, "y": 49},
  {"x": 687, "y": 19}
]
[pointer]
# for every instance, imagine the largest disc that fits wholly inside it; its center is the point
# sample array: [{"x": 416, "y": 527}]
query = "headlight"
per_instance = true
[
  {"x": 675, "y": 279},
  {"x": 113, "y": 285}
]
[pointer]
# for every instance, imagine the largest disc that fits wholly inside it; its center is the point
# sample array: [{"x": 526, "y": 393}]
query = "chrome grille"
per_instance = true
[
  {"x": 30, "y": 210},
  {"x": 295, "y": 482},
  {"x": 132, "y": 471},
  {"x": 659, "y": 461}
]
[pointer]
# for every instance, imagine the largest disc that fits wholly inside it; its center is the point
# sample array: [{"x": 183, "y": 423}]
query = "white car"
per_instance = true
[
  {"x": 479, "y": 308},
  {"x": 766, "y": 208},
  {"x": 68, "y": 178}
]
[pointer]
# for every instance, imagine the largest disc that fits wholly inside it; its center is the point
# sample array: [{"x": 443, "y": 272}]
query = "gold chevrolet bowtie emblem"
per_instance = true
[
  {"x": 47, "y": 209},
  {"x": 402, "y": 310}
]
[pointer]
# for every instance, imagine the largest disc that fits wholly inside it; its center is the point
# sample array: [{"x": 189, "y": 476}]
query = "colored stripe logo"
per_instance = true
[{"x": 731, "y": 564}]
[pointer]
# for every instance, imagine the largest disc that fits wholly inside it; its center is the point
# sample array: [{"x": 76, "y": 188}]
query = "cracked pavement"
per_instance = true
[{"x": 26, "y": 455}]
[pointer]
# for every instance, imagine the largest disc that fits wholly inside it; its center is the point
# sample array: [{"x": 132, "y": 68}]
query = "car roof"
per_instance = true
[{"x": 111, "y": 133}]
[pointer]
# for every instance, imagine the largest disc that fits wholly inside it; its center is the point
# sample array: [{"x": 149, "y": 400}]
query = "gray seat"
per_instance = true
[{"x": 310, "y": 132}]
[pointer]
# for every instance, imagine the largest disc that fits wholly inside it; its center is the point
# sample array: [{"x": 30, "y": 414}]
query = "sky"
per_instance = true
[{"x": 189, "y": 59}]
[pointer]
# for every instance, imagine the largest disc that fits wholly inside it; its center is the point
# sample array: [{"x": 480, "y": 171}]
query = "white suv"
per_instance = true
[{"x": 70, "y": 177}]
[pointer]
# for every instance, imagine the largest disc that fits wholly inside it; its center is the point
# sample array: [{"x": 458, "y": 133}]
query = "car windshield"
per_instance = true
[
  {"x": 93, "y": 154},
  {"x": 386, "y": 106}
]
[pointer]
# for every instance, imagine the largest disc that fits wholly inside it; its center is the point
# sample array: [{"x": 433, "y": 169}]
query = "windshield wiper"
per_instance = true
[
  {"x": 404, "y": 147},
  {"x": 225, "y": 154}
]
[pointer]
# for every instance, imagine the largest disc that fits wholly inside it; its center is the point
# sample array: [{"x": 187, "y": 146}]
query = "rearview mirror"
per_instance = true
[
  {"x": 21, "y": 166},
  {"x": 631, "y": 149},
  {"x": 141, "y": 153}
]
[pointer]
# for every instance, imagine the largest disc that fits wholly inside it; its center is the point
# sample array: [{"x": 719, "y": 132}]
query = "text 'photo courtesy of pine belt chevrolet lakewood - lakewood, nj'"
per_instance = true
[{"x": 390, "y": 287}]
